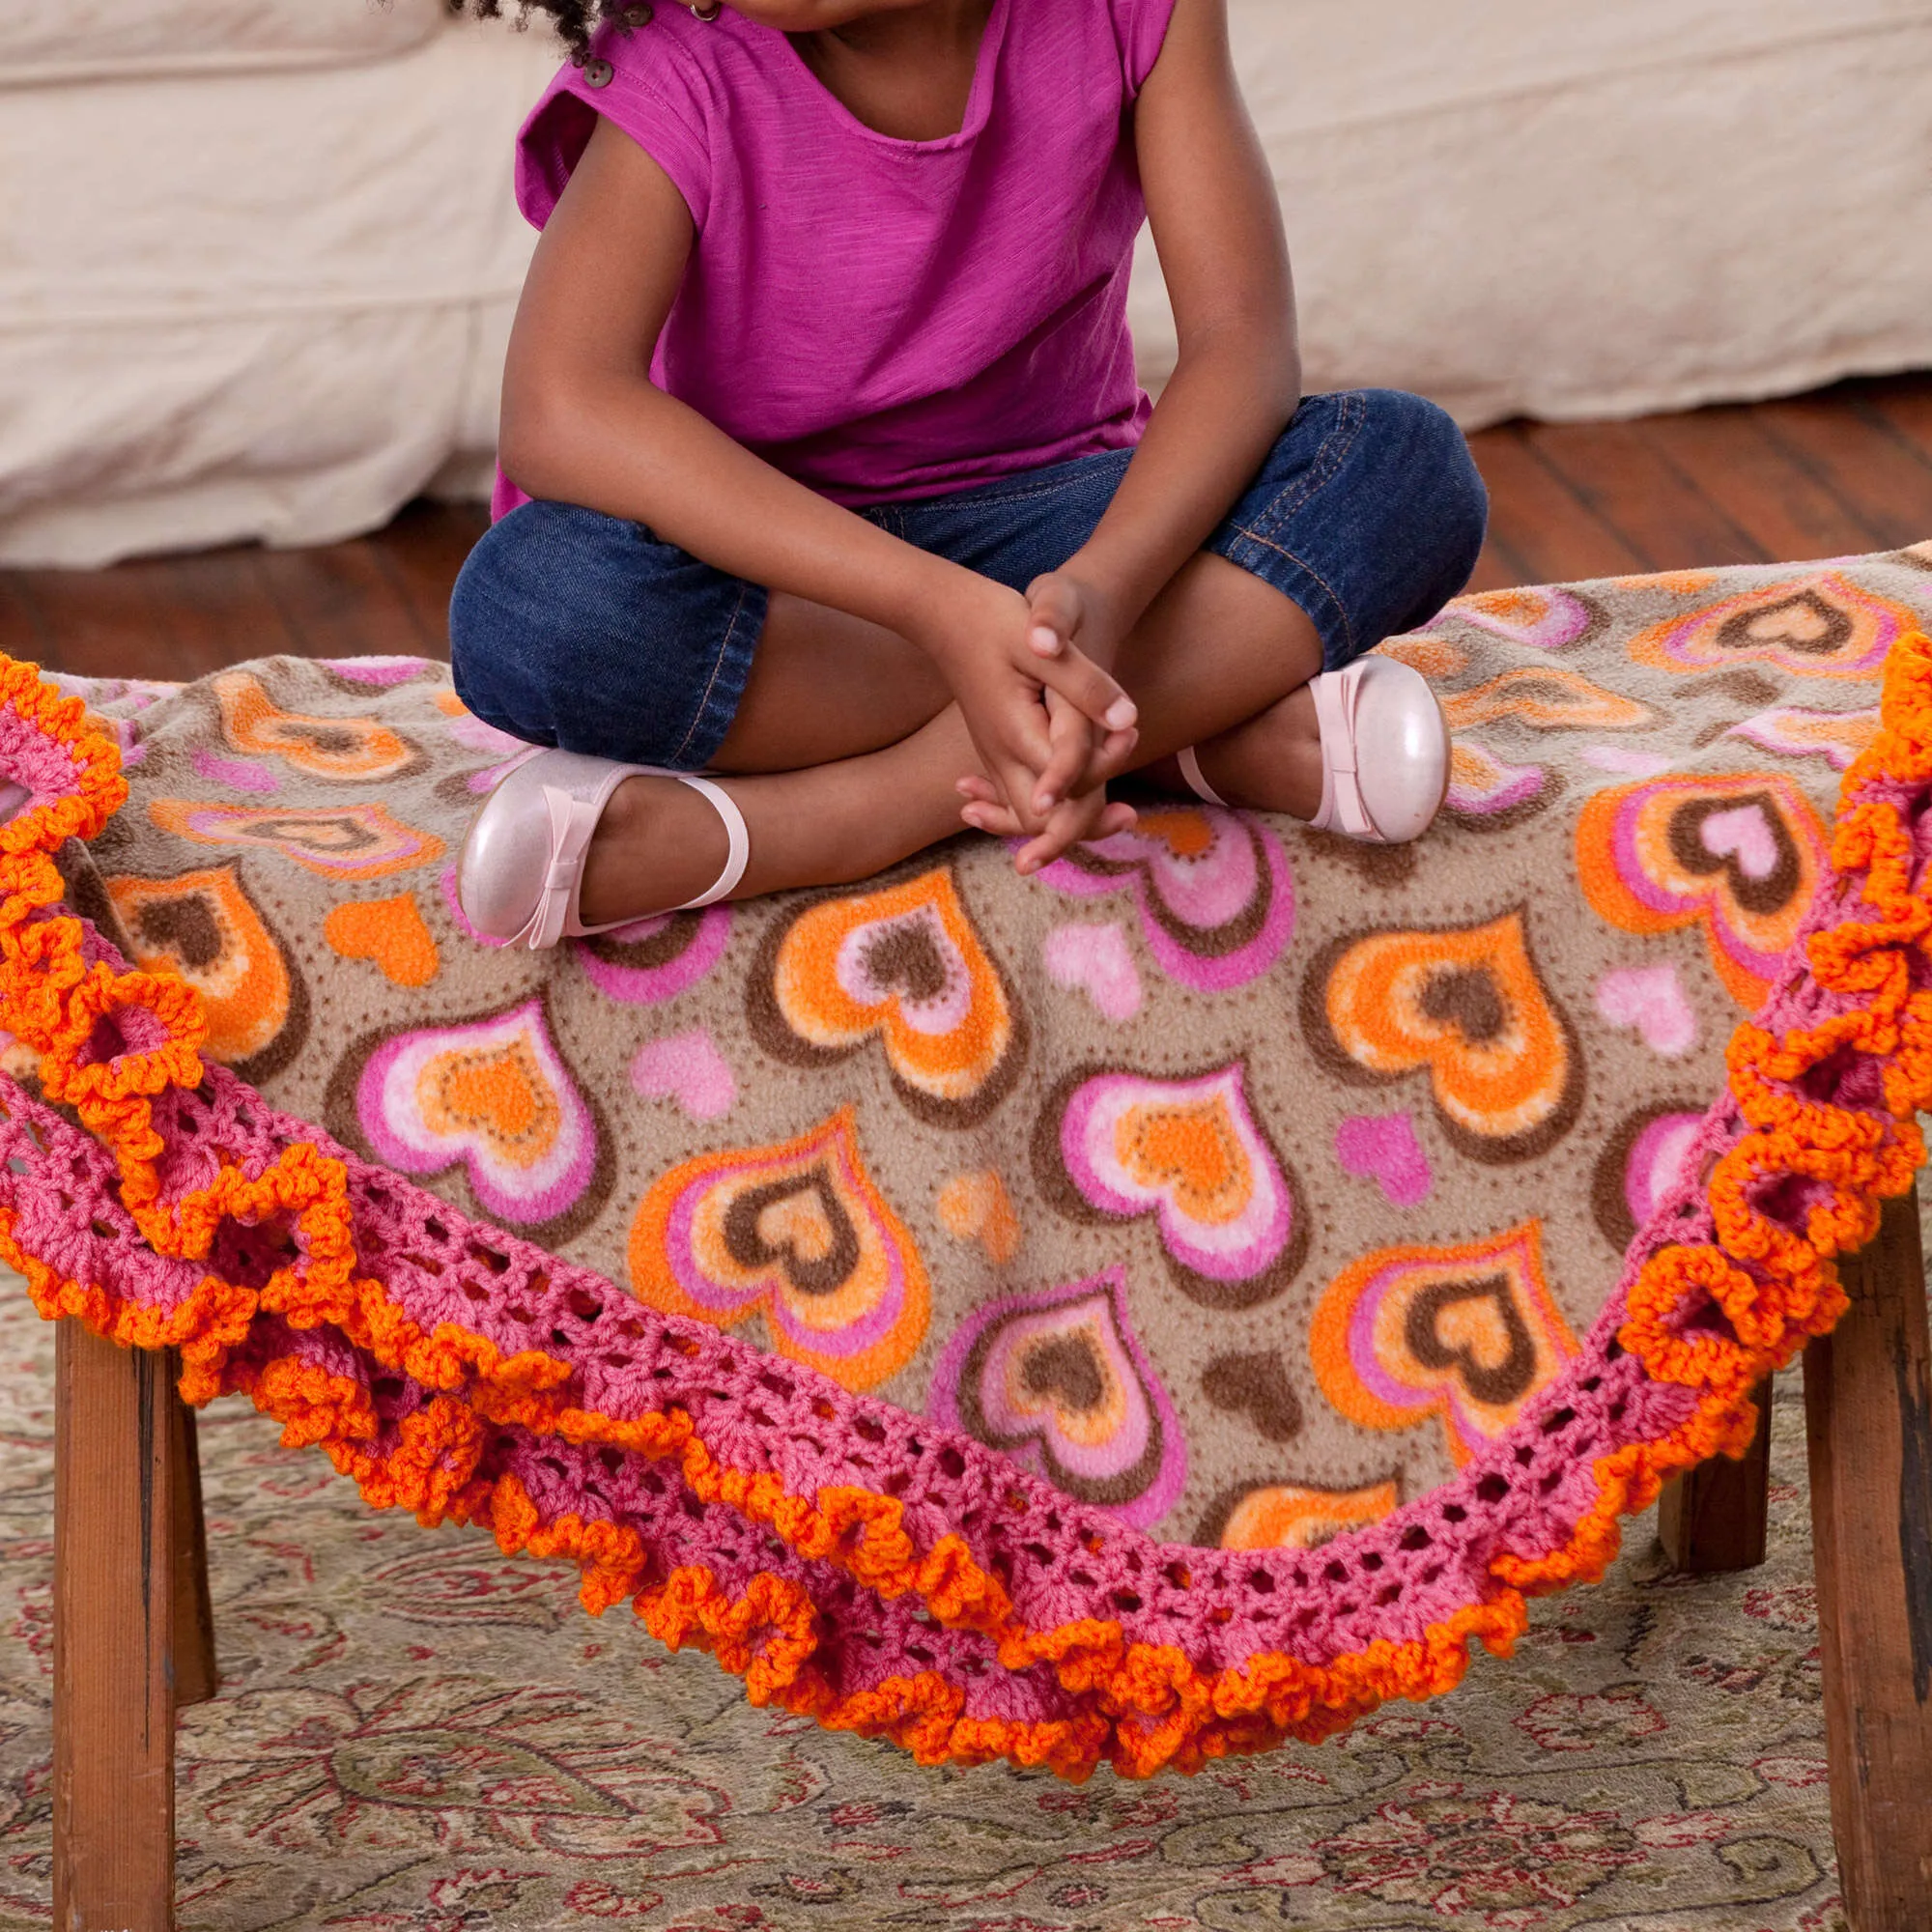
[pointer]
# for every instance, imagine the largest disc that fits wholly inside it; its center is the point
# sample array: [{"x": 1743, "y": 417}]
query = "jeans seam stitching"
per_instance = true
[
  {"x": 1328, "y": 460},
  {"x": 996, "y": 494},
  {"x": 711, "y": 683},
  {"x": 1302, "y": 563}
]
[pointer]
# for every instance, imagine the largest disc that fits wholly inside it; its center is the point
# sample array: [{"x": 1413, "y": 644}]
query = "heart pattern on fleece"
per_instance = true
[
  {"x": 1290, "y": 1515},
  {"x": 977, "y": 1208},
  {"x": 1466, "y": 1333},
  {"x": 1652, "y": 1000},
  {"x": 1796, "y": 731},
  {"x": 688, "y": 1068},
  {"x": 1467, "y": 1003},
  {"x": 1191, "y": 1154},
  {"x": 1488, "y": 793},
  {"x": 1642, "y": 1160},
  {"x": 388, "y": 932},
  {"x": 1383, "y": 1148},
  {"x": 1824, "y": 627},
  {"x": 492, "y": 1095},
  {"x": 1548, "y": 697},
  {"x": 347, "y": 843},
  {"x": 346, "y": 749},
  {"x": 655, "y": 959},
  {"x": 1545, "y": 617},
  {"x": 1215, "y": 897},
  {"x": 1093, "y": 959},
  {"x": 203, "y": 926},
  {"x": 237, "y": 774},
  {"x": 902, "y": 963},
  {"x": 1060, "y": 1381},
  {"x": 1462, "y": 1086},
  {"x": 797, "y": 1232},
  {"x": 1740, "y": 855},
  {"x": 1256, "y": 1388}
]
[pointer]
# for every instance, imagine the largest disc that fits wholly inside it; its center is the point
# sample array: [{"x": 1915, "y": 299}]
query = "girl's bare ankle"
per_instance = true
[{"x": 657, "y": 844}]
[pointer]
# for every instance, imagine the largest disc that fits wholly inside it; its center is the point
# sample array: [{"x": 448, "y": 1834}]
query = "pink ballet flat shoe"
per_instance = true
[
  {"x": 522, "y": 870},
  {"x": 1384, "y": 753}
]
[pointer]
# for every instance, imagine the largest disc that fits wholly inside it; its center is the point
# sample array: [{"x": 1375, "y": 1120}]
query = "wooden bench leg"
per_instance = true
[
  {"x": 115, "y": 1464},
  {"x": 1868, "y": 1417},
  {"x": 195, "y": 1676},
  {"x": 1715, "y": 1518}
]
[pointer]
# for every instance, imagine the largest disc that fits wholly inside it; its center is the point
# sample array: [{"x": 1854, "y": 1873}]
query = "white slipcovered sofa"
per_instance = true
[{"x": 258, "y": 257}]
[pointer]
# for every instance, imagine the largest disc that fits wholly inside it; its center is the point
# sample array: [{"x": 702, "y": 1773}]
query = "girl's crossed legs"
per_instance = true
[{"x": 574, "y": 628}]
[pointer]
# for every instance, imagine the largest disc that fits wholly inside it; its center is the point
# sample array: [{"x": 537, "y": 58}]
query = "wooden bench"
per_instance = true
[{"x": 133, "y": 1637}]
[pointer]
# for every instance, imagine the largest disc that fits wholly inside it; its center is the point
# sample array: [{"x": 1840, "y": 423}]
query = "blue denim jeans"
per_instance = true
[{"x": 579, "y": 630}]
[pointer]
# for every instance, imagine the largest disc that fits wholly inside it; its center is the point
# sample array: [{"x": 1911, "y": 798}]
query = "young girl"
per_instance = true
[{"x": 825, "y": 471}]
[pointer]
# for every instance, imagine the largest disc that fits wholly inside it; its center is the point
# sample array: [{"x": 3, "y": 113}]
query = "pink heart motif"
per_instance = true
[
  {"x": 473, "y": 735},
  {"x": 1623, "y": 758},
  {"x": 1742, "y": 833},
  {"x": 686, "y": 1068},
  {"x": 238, "y": 774},
  {"x": 1095, "y": 959},
  {"x": 380, "y": 670},
  {"x": 1651, "y": 999},
  {"x": 1383, "y": 1148},
  {"x": 1656, "y": 1161}
]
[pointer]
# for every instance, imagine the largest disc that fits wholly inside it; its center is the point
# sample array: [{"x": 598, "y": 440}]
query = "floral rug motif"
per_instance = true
[{"x": 417, "y": 1734}]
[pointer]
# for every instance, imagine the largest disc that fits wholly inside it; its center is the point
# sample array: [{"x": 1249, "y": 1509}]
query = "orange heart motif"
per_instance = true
[
  {"x": 1467, "y": 1004},
  {"x": 977, "y": 1208},
  {"x": 1191, "y": 1156},
  {"x": 204, "y": 926},
  {"x": 1287, "y": 1515},
  {"x": 796, "y": 1233},
  {"x": 1798, "y": 732},
  {"x": 346, "y": 841},
  {"x": 1548, "y": 697},
  {"x": 1466, "y": 1333},
  {"x": 348, "y": 750},
  {"x": 1546, "y": 619},
  {"x": 1741, "y": 855},
  {"x": 903, "y": 963},
  {"x": 390, "y": 933},
  {"x": 493, "y": 1096},
  {"x": 1490, "y": 794}
]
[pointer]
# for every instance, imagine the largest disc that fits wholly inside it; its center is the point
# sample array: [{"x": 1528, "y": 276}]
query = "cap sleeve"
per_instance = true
[
  {"x": 642, "y": 83},
  {"x": 1140, "y": 26}
]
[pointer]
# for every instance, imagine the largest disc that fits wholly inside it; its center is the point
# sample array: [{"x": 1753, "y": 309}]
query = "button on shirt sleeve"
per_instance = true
[{"x": 642, "y": 83}]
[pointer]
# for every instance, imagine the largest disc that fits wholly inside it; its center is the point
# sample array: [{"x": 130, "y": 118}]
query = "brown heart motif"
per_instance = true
[
  {"x": 1805, "y": 623},
  {"x": 1475, "y": 1329},
  {"x": 1752, "y": 847},
  {"x": 1256, "y": 1388},
  {"x": 798, "y": 1224}
]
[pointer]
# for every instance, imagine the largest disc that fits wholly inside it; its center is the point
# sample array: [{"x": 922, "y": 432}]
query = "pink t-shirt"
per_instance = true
[{"x": 886, "y": 319}]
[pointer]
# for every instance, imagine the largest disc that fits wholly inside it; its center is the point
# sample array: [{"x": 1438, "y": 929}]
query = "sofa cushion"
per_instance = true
[{"x": 70, "y": 39}]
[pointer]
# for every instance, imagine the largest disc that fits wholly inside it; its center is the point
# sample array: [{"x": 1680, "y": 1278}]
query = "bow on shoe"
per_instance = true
[
  {"x": 571, "y": 825},
  {"x": 1343, "y": 808}
]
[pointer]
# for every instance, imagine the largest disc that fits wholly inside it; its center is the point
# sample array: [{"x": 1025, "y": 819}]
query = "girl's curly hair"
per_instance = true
[{"x": 575, "y": 20}]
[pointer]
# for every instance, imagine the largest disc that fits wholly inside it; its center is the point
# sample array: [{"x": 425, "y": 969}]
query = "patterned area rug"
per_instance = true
[{"x": 416, "y": 1732}]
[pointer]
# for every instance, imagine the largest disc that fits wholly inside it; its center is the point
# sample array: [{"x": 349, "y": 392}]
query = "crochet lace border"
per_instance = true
[{"x": 938, "y": 1595}]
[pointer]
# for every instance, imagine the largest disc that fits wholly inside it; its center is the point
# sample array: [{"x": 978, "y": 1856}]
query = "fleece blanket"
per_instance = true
[{"x": 1133, "y": 1314}]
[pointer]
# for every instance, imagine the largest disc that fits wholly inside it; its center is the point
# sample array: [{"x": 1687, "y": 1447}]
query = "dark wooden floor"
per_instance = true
[{"x": 1844, "y": 471}]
